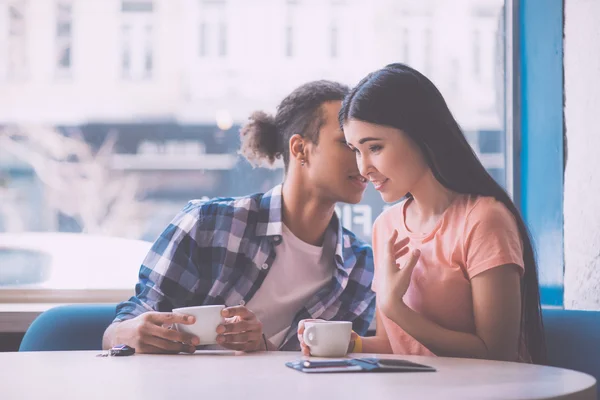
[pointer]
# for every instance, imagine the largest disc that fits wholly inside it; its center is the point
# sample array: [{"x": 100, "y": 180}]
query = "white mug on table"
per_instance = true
[
  {"x": 208, "y": 319},
  {"x": 327, "y": 338}
]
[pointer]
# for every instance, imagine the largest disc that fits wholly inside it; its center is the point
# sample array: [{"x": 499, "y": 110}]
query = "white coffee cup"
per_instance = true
[
  {"x": 208, "y": 319},
  {"x": 327, "y": 338}
]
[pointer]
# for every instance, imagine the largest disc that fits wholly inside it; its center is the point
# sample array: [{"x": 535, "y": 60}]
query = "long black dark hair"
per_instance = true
[{"x": 400, "y": 97}]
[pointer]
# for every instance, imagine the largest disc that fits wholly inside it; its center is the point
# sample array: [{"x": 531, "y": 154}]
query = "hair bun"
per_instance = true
[{"x": 261, "y": 141}]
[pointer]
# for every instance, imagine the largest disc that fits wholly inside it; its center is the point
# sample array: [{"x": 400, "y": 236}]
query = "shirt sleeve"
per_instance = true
[
  {"x": 169, "y": 274},
  {"x": 492, "y": 238},
  {"x": 362, "y": 310}
]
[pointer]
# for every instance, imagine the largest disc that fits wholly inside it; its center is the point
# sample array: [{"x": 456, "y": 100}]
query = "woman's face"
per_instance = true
[{"x": 387, "y": 157}]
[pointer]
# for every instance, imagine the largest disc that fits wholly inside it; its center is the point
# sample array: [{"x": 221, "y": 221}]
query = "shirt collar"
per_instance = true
[
  {"x": 270, "y": 223},
  {"x": 270, "y": 213}
]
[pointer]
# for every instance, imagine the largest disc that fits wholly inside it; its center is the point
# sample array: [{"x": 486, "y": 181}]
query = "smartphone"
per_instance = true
[
  {"x": 402, "y": 364},
  {"x": 329, "y": 366}
]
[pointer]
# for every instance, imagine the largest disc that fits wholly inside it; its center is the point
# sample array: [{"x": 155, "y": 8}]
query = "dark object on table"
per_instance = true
[{"x": 358, "y": 365}]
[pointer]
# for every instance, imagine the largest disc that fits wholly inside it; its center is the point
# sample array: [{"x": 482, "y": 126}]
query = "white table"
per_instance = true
[{"x": 228, "y": 375}]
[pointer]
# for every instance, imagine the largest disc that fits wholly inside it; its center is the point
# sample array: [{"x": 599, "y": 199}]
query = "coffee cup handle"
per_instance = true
[{"x": 309, "y": 336}]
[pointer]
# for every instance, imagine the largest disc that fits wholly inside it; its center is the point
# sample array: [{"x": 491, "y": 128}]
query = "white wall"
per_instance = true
[
  {"x": 254, "y": 73},
  {"x": 582, "y": 178}
]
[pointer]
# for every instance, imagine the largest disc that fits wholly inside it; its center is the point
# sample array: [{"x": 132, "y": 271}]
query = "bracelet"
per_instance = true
[
  {"x": 265, "y": 340},
  {"x": 357, "y": 345}
]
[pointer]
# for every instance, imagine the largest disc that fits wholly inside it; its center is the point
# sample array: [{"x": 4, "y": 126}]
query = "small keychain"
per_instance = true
[{"x": 120, "y": 350}]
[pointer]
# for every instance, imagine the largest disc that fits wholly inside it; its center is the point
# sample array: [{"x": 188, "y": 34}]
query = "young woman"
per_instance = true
[{"x": 455, "y": 273}]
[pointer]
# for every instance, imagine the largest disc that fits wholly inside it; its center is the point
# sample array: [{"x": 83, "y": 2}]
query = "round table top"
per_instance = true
[{"x": 234, "y": 375}]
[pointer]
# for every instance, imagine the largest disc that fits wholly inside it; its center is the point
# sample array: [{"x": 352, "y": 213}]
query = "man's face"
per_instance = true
[{"x": 333, "y": 170}]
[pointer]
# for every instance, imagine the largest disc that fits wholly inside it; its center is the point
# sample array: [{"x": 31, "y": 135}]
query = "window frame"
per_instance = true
[{"x": 535, "y": 132}]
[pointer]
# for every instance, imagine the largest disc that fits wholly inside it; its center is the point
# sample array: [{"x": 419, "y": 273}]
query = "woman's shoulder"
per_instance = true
[
  {"x": 487, "y": 210},
  {"x": 485, "y": 207}
]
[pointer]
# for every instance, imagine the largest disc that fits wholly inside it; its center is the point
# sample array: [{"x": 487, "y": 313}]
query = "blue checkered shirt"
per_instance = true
[{"x": 220, "y": 251}]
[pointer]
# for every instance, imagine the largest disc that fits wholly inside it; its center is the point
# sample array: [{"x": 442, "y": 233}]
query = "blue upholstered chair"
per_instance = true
[
  {"x": 573, "y": 340},
  {"x": 71, "y": 327}
]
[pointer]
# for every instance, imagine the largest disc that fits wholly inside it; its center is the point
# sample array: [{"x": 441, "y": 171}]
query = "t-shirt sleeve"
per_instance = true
[
  {"x": 376, "y": 256},
  {"x": 492, "y": 238}
]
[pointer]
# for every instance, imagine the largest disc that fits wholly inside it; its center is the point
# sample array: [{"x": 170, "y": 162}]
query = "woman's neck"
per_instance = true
[{"x": 430, "y": 200}]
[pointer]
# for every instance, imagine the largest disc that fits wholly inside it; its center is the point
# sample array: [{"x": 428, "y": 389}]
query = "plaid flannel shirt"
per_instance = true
[{"x": 219, "y": 252}]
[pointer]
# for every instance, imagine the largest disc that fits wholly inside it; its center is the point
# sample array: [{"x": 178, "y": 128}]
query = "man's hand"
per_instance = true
[
  {"x": 241, "y": 330},
  {"x": 150, "y": 333}
]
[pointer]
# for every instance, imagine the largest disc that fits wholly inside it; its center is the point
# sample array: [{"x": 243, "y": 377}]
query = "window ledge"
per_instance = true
[{"x": 19, "y": 307}]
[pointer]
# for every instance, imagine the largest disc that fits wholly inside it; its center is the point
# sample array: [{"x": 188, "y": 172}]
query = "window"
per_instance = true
[
  {"x": 203, "y": 38},
  {"x": 213, "y": 29},
  {"x": 477, "y": 53},
  {"x": 64, "y": 36},
  {"x": 137, "y": 39},
  {"x": 148, "y": 56},
  {"x": 222, "y": 39},
  {"x": 333, "y": 51},
  {"x": 17, "y": 59},
  {"x": 337, "y": 16},
  {"x": 484, "y": 28},
  {"x": 406, "y": 46},
  {"x": 137, "y": 6},
  {"x": 158, "y": 121},
  {"x": 126, "y": 51},
  {"x": 289, "y": 41},
  {"x": 290, "y": 34},
  {"x": 428, "y": 49}
]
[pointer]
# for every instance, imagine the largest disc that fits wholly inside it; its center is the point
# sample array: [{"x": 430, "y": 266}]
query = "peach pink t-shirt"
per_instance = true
[{"x": 473, "y": 235}]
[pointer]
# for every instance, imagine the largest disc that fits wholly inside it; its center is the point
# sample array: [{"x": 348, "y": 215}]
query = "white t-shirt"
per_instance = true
[{"x": 298, "y": 272}]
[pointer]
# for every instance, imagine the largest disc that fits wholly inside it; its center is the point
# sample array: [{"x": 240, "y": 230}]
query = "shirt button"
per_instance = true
[
  {"x": 242, "y": 303},
  {"x": 265, "y": 266}
]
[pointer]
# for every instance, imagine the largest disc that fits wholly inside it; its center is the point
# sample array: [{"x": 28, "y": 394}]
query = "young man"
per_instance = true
[{"x": 273, "y": 259}]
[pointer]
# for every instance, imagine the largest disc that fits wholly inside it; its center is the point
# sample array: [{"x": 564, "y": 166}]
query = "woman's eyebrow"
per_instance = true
[{"x": 367, "y": 139}]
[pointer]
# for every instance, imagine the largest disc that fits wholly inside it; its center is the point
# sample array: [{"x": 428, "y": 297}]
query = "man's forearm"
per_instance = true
[{"x": 108, "y": 338}]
